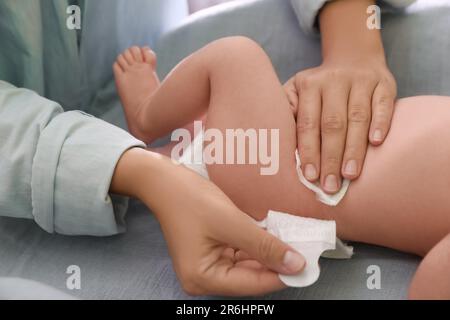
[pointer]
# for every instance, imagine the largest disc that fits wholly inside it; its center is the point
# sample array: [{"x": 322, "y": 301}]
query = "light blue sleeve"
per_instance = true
[
  {"x": 307, "y": 11},
  {"x": 56, "y": 167}
]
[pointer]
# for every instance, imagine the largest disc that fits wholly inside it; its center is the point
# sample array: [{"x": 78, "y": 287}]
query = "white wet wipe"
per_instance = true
[
  {"x": 310, "y": 237},
  {"x": 328, "y": 199}
]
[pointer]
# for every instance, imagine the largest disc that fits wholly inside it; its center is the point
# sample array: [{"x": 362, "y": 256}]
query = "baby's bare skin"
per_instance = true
[{"x": 401, "y": 200}]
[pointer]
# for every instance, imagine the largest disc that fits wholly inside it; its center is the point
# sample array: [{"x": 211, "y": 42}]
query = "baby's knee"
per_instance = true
[
  {"x": 237, "y": 48},
  {"x": 241, "y": 44},
  {"x": 432, "y": 280}
]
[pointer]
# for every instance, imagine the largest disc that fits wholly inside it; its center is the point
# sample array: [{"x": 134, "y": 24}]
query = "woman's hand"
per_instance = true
[
  {"x": 216, "y": 248},
  {"x": 347, "y": 101},
  {"x": 339, "y": 108}
]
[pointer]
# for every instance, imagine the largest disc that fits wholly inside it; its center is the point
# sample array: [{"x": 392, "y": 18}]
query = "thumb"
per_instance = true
[
  {"x": 275, "y": 254},
  {"x": 267, "y": 249}
]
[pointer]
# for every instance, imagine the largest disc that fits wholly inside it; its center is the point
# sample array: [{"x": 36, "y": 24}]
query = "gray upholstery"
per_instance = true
[
  {"x": 417, "y": 41},
  {"x": 136, "y": 265}
]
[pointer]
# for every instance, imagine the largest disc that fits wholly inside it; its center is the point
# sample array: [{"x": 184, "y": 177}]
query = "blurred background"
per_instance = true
[{"x": 196, "y": 5}]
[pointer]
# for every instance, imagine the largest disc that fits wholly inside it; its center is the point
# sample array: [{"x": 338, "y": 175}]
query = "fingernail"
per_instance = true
[
  {"x": 351, "y": 168},
  {"x": 310, "y": 172},
  {"x": 331, "y": 183},
  {"x": 378, "y": 136},
  {"x": 293, "y": 261}
]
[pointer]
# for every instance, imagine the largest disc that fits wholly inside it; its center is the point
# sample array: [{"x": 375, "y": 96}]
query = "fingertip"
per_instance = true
[
  {"x": 376, "y": 143},
  {"x": 310, "y": 172},
  {"x": 377, "y": 137},
  {"x": 331, "y": 184},
  {"x": 350, "y": 178},
  {"x": 293, "y": 262},
  {"x": 350, "y": 170}
]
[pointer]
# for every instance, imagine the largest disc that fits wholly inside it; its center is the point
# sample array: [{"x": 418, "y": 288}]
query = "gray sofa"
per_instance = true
[{"x": 136, "y": 265}]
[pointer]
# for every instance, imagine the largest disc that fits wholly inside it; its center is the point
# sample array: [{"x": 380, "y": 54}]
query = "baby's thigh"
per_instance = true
[
  {"x": 267, "y": 180},
  {"x": 432, "y": 279}
]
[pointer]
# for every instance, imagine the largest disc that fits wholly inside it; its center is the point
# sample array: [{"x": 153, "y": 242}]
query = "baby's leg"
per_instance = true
[
  {"x": 234, "y": 82},
  {"x": 186, "y": 93},
  {"x": 432, "y": 278},
  {"x": 401, "y": 199},
  {"x": 137, "y": 82}
]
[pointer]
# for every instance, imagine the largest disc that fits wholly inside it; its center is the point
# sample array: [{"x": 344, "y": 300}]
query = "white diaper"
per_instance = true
[
  {"x": 312, "y": 238},
  {"x": 195, "y": 151}
]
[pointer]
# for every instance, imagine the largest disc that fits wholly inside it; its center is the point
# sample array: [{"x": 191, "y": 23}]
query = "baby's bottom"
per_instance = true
[{"x": 402, "y": 198}]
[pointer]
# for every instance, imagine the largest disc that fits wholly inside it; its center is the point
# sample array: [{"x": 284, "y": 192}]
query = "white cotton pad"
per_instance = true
[
  {"x": 330, "y": 200},
  {"x": 311, "y": 238}
]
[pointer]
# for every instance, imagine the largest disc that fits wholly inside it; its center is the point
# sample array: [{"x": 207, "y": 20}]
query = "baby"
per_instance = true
[{"x": 401, "y": 200}]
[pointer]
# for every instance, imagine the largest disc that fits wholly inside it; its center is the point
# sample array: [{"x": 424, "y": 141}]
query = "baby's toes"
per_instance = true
[
  {"x": 136, "y": 54},
  {"x": 128, "y": 55},
  {"x": 122, "y": 62},
  {"x": 118, "y": 70},
  {"x": 149, "y": 56}
]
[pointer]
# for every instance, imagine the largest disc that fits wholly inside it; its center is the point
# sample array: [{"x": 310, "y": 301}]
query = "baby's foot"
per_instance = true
[{"x": 136, "y": 81}]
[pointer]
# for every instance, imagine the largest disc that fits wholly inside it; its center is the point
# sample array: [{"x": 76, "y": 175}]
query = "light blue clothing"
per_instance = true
[
  {"x": 56, "y": 167},
  {"x": 73, "y": 67}
]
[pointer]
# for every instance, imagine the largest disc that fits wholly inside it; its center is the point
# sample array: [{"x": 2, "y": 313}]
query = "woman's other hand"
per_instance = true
[
  {"x": 216, "y": 248},
  {"x": 346, "y": 102}
]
